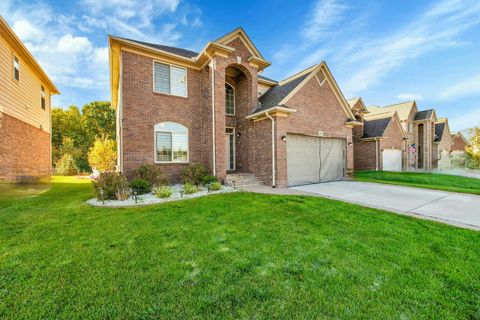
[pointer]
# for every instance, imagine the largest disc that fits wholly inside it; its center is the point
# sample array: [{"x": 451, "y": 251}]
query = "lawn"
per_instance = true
[
  {"x": 237, "y": 255},
  {"x": 423, "y": 180}
]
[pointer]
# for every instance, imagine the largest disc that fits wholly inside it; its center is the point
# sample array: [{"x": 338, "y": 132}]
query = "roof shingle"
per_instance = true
[
  {"x": 439, "y": 128},
  {"x": 375, "y": 128},
  {"x": 178, "y": 51},
  {"x": 423, "y": 115},
  {"x": 272, "y": 97}
]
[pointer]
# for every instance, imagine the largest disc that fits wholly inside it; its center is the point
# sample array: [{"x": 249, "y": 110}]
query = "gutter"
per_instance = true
[
  {"x": 273, "y": 149},
  {"x": 376, "y": 155}
]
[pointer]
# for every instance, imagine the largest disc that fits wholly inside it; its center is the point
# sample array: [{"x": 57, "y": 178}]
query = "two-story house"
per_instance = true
[
  {"x": 25, "y": 112},
  {"x": 177, "y": 107}
]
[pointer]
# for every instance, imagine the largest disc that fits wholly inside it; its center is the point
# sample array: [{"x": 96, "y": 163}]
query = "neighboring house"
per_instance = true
[
  {"x": 381, "y": 145},
  {"x": 420, "y": 132},
  {"x": 458, "y": 154},
  {"x": 178, "y": 107},
  {"x": 442, "y": 145},
  {"x": 25, "y": 111}
]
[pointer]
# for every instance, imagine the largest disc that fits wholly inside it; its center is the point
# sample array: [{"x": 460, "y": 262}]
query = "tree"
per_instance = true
[
  {"x": 103, "y": 156},
  {"x": 473, "y": 150},
  {"x": 66, "y": 166},
  {"x": 99, "y": 118}
]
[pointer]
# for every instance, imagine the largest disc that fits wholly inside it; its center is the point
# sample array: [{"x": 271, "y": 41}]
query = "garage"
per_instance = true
[
  {"x": 392, "y": 160},
  {"x": 314, "y": 159}
]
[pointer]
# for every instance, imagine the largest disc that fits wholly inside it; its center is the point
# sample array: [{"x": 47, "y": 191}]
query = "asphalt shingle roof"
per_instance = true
[
  {"x": 178, "y": 51},
  {"x": 439, "y": 128},
  {"x": 375, "y": 128},
  {"x": 266, "y": 78},
  {"x": 272, "y": 97},
  {"x": 423, "y": 115}
]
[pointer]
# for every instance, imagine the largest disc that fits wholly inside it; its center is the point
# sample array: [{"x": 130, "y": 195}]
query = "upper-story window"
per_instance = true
[
  {"x": 169, "y": 79},
  {"x": 229, "y": 99},
  {"x": 16, "y": 69},
  {"x": 171, "y": 142},
  {"x": 42, "y": 97}
]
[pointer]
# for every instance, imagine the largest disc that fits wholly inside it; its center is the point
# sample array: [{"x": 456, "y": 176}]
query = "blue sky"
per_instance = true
[{"x": 384, "y": 51}]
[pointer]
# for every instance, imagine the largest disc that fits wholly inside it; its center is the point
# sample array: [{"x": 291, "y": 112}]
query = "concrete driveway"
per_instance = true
[{"x": 453, "y": 208}]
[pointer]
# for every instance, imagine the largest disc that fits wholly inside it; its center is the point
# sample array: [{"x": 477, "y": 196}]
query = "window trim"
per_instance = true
[
  {"x": 43, "y": 98},
  {"x": 234, "y": 147},
  {"x": 234, "y": 104},
  {"x": 170, "y": 66},
  {"x": 13, "y": 68},
  {"x": 172, "y": 133}
]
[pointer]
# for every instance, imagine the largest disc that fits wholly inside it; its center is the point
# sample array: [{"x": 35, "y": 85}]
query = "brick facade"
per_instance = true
[
  {"x": 24, "y": 151},
  {"x": 458, "y": 144},
  {"x": 317, "y": 109}
]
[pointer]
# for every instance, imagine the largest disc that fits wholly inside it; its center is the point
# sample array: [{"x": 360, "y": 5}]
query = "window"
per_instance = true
[
  {"x": 229, "y": 99},
  {"x": 169, "y": 79},
  {"x": 410, "y": 127},
  {"x": 16, "y": 69},
  {"x": 42, "y": 95},
  {"x": 171, "y": 142}
]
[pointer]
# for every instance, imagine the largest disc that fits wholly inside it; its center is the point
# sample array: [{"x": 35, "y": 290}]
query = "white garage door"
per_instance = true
[
  {"x": 314, "y": 160},
  {"x": 392, "y": 160}
]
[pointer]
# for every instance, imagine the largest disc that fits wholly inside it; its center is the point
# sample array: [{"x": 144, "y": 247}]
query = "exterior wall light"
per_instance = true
[{"x": 284, "y": 138}]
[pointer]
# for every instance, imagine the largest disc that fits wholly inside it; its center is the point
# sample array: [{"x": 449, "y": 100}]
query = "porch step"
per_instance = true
[{"x": 242, "y": 179}]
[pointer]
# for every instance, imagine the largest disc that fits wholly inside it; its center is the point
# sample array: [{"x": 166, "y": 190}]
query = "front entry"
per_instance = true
[{"x": 230, "y": 144}]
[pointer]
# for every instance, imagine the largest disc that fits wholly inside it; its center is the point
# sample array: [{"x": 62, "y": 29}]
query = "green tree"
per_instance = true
[
  {"x": 473, "y": 150},
  {"x": 66, "y": 166},
  {"x": 99, "y": 118},
  {"x": 103, "y": 156}
]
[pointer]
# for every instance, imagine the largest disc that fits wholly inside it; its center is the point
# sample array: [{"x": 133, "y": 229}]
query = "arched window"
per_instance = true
[
  {"x": 229, "y": 99},
  {"x": 171, "y": 142}
]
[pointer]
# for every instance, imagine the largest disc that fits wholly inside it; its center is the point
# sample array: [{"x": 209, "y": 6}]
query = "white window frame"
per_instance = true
[
  {"x": 172, "y": 133},
  {"x": 234, "y": 147},
  {"x": 234, "y": 105},
  {"x": 13, "y": 68},
  {"x": 170, "y": 66}
]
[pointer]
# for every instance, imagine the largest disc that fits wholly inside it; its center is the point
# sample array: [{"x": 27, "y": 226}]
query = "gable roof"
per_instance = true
[
  {"x": 423, "y": 115},
  {"x": 242, "y": 35},
  {"x": 403, "y": 109},
  {"x": 280, "y": 94},
  {"x": 260, "y": 77},
  {"x": 375, "y": 128},
  {"x": 353, "y": 102},
  {"x": 459, "y": 134},
  {"x": 10, "y": 36},
  {"x": 178, "y": 51},
  {"x": 439, "y": 129}
]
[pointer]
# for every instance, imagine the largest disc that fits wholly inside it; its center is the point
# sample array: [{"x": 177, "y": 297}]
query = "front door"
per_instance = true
[{"x": 230, "y": 143}]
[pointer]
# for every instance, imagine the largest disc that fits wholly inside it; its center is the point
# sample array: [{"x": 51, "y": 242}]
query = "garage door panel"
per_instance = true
[
  {"x": 332, "y": 159},
  {"x": 392, "y": 160}
]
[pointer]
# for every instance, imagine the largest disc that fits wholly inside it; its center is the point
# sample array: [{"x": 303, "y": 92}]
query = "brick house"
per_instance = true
[
  {"x": 442, "y": 145},
  {"x": 25, "y": 112},
  {"x": 419, "y": 127},
  {"x": 459, "y": 143},
  {"x": 380, "y": 143},
  {"x": 177, "y": 107}
]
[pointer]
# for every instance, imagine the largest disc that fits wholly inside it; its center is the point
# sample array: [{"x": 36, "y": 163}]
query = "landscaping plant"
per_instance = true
[
  {"x": 209, "y": 179},
  {"x": 103, "y": 155},
  {"x": 214, "y": 186},
  {"x": 194, "y": 174},
  {"x": 189, "y": 188},
  {"x": 163, "y": 192},
  {"x": 152, "y": 174},
  {"x": 140, "y": 186},
  {"x": 66, "y": 166},
  {"x": 111, "y": 186}
]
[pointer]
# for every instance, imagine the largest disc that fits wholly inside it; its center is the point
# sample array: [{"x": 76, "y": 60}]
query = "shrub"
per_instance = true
[
  {"x": 66, "y": 166},
  {"x": 140, "y": 186},
  {"x": 152, "y": 174},
  {"x": 163, "y": 192},
  {"x": 189, "y": 188},
  {"x": 209, "y": 179},
  {"x": 103, "y": 155},
  {"x": 113, "y": 185},
  {"x": 194, "y": 174},
  {"x": 214, "y": 186}
]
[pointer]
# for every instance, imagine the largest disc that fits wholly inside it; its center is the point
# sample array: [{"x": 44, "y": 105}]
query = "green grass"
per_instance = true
[
  {"x": 422, "y": 180},
  {"x": 237, "y": 255},
  {"x": 13, "y": 191}
]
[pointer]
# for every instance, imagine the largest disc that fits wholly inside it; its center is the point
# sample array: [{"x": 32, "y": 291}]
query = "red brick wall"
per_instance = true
[
  {"x": 318, "y": 109},
  {"x": 392, "y": 139},
  {"x": 365, "y": 155},
  {"x": 458, "y": 144},
  {"x": 24, "y": 151}
]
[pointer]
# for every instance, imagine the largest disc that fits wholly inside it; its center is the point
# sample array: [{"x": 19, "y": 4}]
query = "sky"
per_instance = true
[{"x": 384, "y": 51}]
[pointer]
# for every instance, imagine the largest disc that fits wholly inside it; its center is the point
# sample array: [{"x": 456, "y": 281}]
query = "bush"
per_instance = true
[
  {"x": 214, "y": 186},
  {"x": 209, "y": 179},
  {"x": 194, "y": 174},
  {"x": 66, "y": 166},
  {"x": 140, "y": 186},
  {"x": 152, "y": 174},
  {"x": 113, "y": 185},
  {"x": 189, "y": 188},
  {"x": 163, "y": 192},
  {"x": 103, "y": 155}
]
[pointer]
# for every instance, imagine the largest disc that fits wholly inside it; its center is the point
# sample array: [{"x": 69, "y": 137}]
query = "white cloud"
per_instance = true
[
  {"x": 27, "y": 32},
  {"x": 464, "y": 121},
  {"x": 410, "y": 96},
  {"x": 69, "y": 44},
  {"x": 466, "y": 88},
  {"x": 325, "y": 14}
]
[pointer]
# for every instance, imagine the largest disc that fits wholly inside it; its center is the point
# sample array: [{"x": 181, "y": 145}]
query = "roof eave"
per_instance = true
[{"x": 274, "y": 109}]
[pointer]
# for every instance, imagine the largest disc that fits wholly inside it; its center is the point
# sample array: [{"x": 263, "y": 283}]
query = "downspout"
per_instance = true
[
  {"x": 376, "y": 155},
  {"x": 273, "y": 149},
  {"x": 212, "y": 65}
]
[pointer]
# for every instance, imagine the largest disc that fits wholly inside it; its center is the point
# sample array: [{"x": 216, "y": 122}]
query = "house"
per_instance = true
[
  {"x": 442, "y": 145},
  {"x": 178, "y": 107},
  {"x": 25, "y": 111},
  {"x": 420, "y": 133},
  {"x": 458, "y": 152},
  {"x": 380, "y": 143}
]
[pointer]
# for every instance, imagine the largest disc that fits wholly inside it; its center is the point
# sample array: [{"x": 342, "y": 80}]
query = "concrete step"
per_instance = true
[{"x": 242, "y": 179}]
